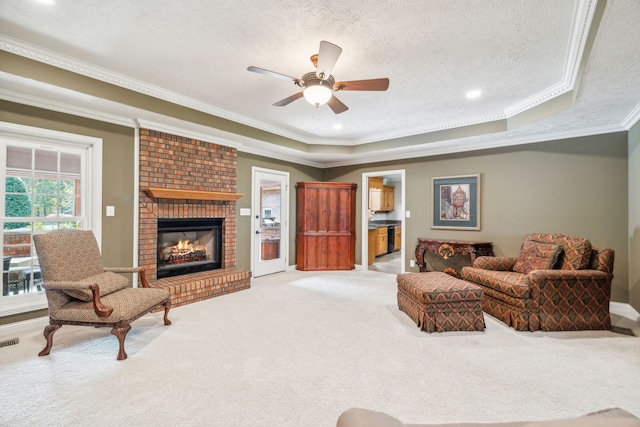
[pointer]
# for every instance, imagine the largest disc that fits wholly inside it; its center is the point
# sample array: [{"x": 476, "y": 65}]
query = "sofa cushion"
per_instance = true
[
  {"x": 435, "y": 287},
  {"x": 127, "y": 304},
  {"x": 576, "y": 251},
  {"x": 536, "y": 256},
  {"x": 108, "y": 282},
  {"x": 511, "y": 283}
]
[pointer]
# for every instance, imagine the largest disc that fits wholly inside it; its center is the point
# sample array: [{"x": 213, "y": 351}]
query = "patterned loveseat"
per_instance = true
[{"x": 557, "y": 283}]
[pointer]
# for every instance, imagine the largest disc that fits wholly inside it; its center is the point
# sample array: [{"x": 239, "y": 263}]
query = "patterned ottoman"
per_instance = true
[{"x": 439, "y": 302}]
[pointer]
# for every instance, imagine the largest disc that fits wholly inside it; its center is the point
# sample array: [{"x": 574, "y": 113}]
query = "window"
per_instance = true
[{"x": 46, "y": 187}]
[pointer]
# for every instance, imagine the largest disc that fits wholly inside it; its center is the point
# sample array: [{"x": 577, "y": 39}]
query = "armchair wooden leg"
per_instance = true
[
  {"x": 49, "y": 330},
  {"x": 167, "y": 306},
  {"x": 120, "y": 331}
]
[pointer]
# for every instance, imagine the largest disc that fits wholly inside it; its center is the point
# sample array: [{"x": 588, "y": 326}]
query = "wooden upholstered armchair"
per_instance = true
[{"x": 80, "y": 291}]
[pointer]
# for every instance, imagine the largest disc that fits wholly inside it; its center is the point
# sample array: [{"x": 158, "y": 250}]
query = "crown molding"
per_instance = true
[
  {"x": 255, "y": 147},
  {"x": 215, "y": 136},
  {"x": 265, "y": 149},
  {"x": 37, "y": 53},
  {"x": 61, "y": 107},
  {"x": 632, "y": 118},
  {"x": 582, "y": 22},
  {"x": 40, "y": 135},
  {"x": 227, "y": 139},
  {"x": 462, "y": 145}
]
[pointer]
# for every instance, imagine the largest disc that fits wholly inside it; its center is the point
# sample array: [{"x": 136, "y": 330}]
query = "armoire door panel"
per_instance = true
[{"x": 326, "y": 226}]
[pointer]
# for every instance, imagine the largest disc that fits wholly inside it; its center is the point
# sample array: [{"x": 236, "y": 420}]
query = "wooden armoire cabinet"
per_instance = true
[{"x": 326, "y": 226}]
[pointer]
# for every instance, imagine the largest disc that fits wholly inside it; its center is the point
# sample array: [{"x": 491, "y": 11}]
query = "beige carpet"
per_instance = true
[{"x": 297, "y": 349}]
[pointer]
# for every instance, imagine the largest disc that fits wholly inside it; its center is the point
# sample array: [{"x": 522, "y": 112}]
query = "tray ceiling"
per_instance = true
[{"x": 544, "y": 69}]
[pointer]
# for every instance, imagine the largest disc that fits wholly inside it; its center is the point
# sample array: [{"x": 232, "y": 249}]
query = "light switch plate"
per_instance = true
[
  {"x": 407, "y": 214},
  {"x": 111, "y": 211},
  {"x": 245, "y": 211}
]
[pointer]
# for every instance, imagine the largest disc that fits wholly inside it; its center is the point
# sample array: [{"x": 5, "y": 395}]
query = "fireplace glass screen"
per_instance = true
[{"x": 188, "y": 246}]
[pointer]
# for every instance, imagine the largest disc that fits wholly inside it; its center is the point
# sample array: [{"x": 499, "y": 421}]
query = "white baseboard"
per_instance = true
[
  {"x": 16, "y": 329},
  {"x": 626, "y": 310}
]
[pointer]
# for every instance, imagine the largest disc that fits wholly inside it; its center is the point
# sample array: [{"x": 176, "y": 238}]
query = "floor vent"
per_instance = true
[{"x": 7, "y": 343}]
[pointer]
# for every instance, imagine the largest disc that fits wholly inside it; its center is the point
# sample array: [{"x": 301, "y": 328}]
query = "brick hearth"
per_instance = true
[{"x": 178, "y": 163}]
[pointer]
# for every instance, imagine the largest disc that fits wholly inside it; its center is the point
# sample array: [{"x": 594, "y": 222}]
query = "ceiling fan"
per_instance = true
[{"x": 318, "y": 85}]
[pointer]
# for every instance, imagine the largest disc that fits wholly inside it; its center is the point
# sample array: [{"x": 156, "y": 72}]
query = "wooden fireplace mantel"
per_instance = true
[{"x": 170, "y": 193}]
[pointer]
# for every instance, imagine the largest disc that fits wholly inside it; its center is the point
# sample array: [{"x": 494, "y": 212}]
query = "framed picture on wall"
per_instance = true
[{"x": 455, "y": 203}]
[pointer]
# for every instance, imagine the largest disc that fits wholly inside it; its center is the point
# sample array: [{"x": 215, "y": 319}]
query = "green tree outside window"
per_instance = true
[{"x": 17, "y": 202}]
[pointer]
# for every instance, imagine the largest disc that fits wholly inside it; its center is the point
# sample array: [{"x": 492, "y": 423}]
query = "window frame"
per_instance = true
[{"x": 12, "y": 133}]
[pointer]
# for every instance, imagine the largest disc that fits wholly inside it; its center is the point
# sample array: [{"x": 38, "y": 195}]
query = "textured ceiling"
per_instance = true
[{"x": 527, "y": 58}]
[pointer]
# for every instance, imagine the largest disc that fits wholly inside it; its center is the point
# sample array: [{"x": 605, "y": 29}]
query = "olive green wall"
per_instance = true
[
  {"x": 634, "y": 216},
  {"x": 117, "y": 178},
  {"x": 297, "y": 173},
  {"x": 576, "y": 186}
]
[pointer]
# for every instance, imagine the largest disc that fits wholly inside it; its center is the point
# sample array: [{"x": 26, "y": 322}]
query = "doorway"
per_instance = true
[
  {"x": 270, "y": 224},
  {"x": 383, "y": 230}
]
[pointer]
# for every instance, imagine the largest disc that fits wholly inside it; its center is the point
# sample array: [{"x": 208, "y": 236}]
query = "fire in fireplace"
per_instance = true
[{"x": 188, "y": 245}]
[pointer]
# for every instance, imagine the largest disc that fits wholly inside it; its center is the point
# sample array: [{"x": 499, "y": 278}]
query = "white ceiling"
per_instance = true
[{"x": 530, "y": 59}]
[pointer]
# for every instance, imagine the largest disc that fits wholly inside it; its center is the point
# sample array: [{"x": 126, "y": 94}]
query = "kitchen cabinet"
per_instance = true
[
  {"x": 326, "y": 218},
  {"x": 397, "y": 242},
  {"x": 375, "y": 193},
  {"x": 382, "y": 241},
  {"x": 381, "y": 197},
  {"x": 372, "y": 245},
  {"x": 387, "y": 198}
]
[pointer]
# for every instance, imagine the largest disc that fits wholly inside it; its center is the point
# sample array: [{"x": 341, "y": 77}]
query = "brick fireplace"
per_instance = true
[{"x": 186, "y": 178}]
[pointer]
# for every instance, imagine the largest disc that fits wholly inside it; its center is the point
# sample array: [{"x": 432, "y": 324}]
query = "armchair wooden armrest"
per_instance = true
[{"x": 100, "y": 309}]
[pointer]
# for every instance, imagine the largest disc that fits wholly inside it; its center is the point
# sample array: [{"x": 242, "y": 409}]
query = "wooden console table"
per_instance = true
[{"x": 449, "y": 255}]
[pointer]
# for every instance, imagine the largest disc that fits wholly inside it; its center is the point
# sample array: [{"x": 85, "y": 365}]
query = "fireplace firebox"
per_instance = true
[{"x": 188, "y": 245}]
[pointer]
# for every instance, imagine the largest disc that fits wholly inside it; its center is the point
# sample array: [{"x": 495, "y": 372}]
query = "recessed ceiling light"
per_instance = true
[
  {"x": 337, "y": 126},
  {"x": 474, "y": 93},
  {"x": 46, "y": 1}
]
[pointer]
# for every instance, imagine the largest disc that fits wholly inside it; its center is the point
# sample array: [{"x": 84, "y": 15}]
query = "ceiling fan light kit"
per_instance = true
[
  {"x": 318, "y": 85},
  {"x": 317, "y": 94}
]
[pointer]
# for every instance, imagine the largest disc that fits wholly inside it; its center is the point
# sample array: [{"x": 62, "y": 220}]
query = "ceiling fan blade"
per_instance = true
[
  {"x": 327, "y": 57},
  {"x": 373, "y": 84},
  {"x": 336, "y": 105},
  {"x": 288, "y": 100},
  {"x": 276, "y": 75}
]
